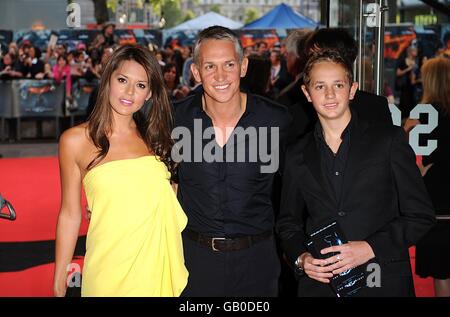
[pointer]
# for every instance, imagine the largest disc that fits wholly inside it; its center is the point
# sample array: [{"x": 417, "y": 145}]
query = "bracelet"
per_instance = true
[{"x": 299, "y": 267}]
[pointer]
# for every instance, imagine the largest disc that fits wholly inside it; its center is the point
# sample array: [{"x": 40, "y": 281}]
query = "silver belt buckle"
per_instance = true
[{"x": 213, "y": 241}]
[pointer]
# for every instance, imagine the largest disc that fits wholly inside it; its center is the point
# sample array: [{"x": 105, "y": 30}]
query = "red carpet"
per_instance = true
[
  {"x": 34, "y": 282},
  {"x": 32, "y": 186},
  {"x": 423, "y": 286}
]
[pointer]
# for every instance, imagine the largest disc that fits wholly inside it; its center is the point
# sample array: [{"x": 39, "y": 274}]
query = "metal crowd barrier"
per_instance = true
[
  {"x": 28, "y": 98},
  {"x": 81, "y": 91}
]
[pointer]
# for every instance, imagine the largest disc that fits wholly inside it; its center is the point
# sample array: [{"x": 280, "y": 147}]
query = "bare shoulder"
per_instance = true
[
  {"x": 75, "y": 137},
  {"x": 74, "y": 143}
]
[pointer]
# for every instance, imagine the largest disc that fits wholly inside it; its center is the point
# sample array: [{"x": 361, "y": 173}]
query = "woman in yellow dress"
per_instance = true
[{"x": 122, "y": 157}]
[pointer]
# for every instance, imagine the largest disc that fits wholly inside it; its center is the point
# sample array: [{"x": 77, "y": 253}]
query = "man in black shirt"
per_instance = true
[
  {"x": 230, "y": 144},
  {"x": 355, "y": 172}
]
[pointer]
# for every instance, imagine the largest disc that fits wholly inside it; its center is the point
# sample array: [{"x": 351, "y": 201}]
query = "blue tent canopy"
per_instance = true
[{"x": 282, "y": 17}]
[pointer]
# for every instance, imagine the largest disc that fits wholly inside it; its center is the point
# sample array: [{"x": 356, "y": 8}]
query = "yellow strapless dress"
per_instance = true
[{"x": 134, "y": 245}]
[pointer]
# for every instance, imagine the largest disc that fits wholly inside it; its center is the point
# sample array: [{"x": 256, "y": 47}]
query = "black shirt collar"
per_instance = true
[
  {"x": 250, "y": 107},
  {"x": 318, "y": 131}
]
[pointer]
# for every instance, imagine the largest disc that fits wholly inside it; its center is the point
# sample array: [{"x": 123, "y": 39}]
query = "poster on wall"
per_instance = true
[
  {"x": 254, "y": 37},
  {"x": 445, "y": 38},
  {"x": 397, "y": 39}
]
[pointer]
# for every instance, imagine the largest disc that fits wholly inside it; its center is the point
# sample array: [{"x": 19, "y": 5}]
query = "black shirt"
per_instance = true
[
  {"x": 223, "y": 198},
  {"x": 34, "y": 69},
  {"x": 333, "y": 164}
]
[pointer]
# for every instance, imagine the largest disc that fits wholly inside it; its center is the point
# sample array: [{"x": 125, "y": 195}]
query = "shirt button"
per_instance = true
[
  {"x": 341, "y": 213},
  {"x": 336, "y": 173}
]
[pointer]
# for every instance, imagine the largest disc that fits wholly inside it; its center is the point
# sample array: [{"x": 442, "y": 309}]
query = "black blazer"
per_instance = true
[
  {"x": 371, "y": 107},
  {"x": 383, "y": 202}
]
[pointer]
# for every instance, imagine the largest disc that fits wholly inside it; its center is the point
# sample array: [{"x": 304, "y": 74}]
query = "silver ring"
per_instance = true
[{"x": 338, "y": 258}]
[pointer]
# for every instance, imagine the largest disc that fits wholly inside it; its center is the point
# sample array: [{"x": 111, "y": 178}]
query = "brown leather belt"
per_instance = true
[{"x": 226, "y": 244}]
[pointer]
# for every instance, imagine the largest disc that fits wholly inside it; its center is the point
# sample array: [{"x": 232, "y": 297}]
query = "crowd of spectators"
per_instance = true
[{"x": 270, "y": 73}]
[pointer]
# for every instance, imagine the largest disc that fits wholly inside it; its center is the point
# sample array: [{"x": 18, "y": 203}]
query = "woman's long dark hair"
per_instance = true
[{"x": 154, "y": 124}]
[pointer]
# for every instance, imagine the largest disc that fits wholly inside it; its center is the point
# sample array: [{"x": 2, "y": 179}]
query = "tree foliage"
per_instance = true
[
  {"x": 251, "y": 14},
  {"x": 170, "y": 9},
  {"x": 215, "y": 8},
  {"x": 189, "y": 15}
]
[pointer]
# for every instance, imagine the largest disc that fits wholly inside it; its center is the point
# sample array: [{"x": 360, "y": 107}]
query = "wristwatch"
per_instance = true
[{"x": 299, "y": 267}]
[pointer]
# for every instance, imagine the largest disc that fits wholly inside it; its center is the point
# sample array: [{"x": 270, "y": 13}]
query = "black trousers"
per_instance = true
[{"x": 244, "y": 273}]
